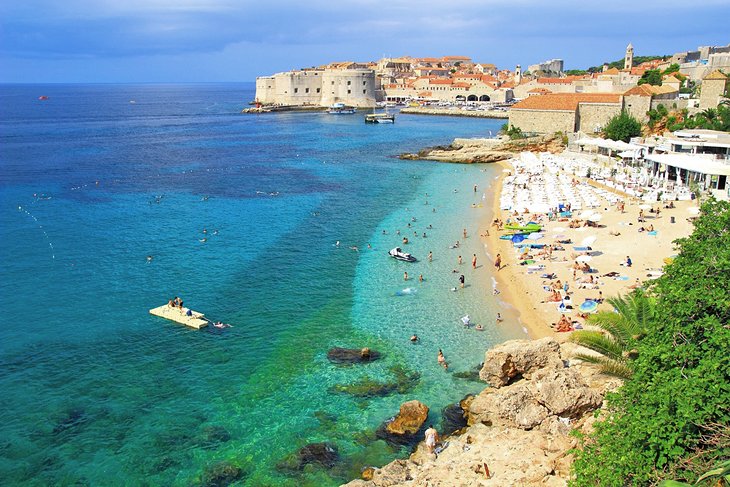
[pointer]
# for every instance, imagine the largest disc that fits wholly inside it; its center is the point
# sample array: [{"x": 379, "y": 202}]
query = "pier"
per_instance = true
[{"x": 196, "y": 320}]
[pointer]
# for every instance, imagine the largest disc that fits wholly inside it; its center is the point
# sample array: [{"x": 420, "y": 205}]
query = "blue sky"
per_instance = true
[{"x": 236, "y": 40}]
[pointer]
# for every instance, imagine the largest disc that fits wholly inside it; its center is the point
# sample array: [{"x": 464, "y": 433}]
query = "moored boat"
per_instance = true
[
  {"x": 379, "y": 118},
  {"x": 341, "y": 109}
]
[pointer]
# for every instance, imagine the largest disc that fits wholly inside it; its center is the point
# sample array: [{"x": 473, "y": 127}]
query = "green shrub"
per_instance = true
[{"x": 622, "y": 127}]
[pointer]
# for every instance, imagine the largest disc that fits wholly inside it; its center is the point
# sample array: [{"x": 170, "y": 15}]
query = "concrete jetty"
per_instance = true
[{"x": 197, "y": 320}]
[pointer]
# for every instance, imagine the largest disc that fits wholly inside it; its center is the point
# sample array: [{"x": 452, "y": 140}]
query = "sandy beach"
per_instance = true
[{"x": 616, "y": 236}]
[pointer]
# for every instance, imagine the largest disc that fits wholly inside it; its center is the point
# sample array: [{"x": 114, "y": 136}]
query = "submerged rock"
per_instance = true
[
  {"x": 214, "y": 435},
  {"x": 323, "y": 455},
  {"x": 352, "y": 355},
  {"x": 221, "y": 474},
  {"x": 454, "y": 417},
  {"x": 74, "y": 418},
  {"x": 403, "y": 382}
]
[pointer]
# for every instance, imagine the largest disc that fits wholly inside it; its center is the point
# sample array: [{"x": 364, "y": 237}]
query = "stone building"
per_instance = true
[
  {"x": 713, "y": 88},
  {"x": 565, "y": 112},
  {"x": 319, "y": 87}
]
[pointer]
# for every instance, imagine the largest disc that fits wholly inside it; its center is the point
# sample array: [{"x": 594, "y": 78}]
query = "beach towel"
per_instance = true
[{"x": 581, "y": 249}]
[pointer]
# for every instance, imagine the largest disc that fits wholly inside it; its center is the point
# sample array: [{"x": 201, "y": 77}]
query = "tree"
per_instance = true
[
  {"x": 652, "y": 77},
  {"x": 622, "y": 127},
  {"x": 621, "y": 331}
]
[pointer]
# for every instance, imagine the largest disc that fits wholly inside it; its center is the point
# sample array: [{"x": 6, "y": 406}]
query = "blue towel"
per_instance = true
[{"x": 652, "y": 233}]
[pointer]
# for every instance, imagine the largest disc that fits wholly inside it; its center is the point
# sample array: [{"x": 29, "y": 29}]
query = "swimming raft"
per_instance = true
[{"x": 197, "y": 320}]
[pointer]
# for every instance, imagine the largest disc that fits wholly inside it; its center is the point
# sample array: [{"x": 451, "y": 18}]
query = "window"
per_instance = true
[
  {"x": 349, "y": 83},
  {"x": 306, "y": 90},
  {"x": 349, "y": 91},
  {"x": 333, "y": 83},
  {"x": 363, "y": 83},
  {"x": 318, "y": 90},
  {"x": 364, "y": 91},
  {"x": 296, "y": 90}
]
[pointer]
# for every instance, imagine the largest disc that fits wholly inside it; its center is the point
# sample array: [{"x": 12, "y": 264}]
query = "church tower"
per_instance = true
[
  {"x": 629, "y": 59},
  {"x": 518, "y": 74}
]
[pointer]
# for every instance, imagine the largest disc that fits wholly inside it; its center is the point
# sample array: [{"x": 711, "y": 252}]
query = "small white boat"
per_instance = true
[
  {"x": 379, "y": 118},
  {"x": 341, "y": 109},
  {"x": 398, "y": 254}
]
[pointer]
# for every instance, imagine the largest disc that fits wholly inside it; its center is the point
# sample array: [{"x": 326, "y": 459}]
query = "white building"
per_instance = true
[{"x": 318, "y": 87}]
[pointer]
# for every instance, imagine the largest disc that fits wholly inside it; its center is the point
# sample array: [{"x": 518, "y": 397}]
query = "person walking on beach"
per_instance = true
[
  {"x": 474, "y": 261},
  {"x": 459, "y": 260},
  {"x": 498, "y": 262},
  {"x": 464, "y": 233},
  {"x": 461, "y": 281},
  {"x": 432, "y": 437}
]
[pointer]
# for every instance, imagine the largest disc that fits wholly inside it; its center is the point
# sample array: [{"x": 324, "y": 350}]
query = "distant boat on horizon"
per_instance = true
[{"x": 43, "y": 97}]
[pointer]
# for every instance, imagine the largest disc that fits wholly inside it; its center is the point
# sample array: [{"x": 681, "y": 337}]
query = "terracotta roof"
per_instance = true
[
  {"x": 440, "y": 82},
  {"x": 670, "y": 79},
  {"x": 641, "y": 90},
  {"x": 508, "y": 84},
  {"x": 425, "y": 93},
  {"x": 717, "y": 74},
  {"x": 554, "y": 81},
  {"x": 456, "y": 58},
  {"x": 461, "y": 85},
  {"x": 611, "y": 71},
  {"x": 467, "y": 76},
  {"x": 565, "y": 101},
  {"x": 430, "y": 60}
]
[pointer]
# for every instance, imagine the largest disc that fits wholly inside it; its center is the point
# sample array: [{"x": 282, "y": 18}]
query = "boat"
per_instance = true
[
  {"x": 398, "y": 254},
  {"x": 379, "y": 118},
  {"x": 43, "y": 97},
  {"x": 341, "y": 109},
  {"x": 529, "y": 228}
]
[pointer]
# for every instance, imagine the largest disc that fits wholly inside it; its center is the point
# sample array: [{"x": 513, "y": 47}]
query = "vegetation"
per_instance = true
[
  {"x": 710, "y": 118},
  {"x": 512, "y": 132},
  {"x": 622, "y": 127},
  {"x": 621, "y": 331},
  {"x": 670, "y": 418},
  {"x": 576, "y": 72},
  {"x": 619, "y": 64},
  {"x": 651, "y": 77}
]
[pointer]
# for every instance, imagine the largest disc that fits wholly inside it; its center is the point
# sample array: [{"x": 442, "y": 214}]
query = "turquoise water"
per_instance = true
[{"x": 99, "y": 392}]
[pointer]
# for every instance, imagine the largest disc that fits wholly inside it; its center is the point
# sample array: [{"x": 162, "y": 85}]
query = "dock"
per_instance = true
[{"x": 197, "y": 320}]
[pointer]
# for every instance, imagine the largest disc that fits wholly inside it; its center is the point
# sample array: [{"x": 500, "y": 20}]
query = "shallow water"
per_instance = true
[{"x": 103, "y": 393}]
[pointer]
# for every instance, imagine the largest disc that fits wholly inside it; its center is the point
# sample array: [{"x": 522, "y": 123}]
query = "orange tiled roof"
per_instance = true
[
  {"x": 425, "y": 93},
  {"x": 461, "y": 85},
  {"x": 641, "y": 90},
  {"x": 611, "y": 71},
  {"x": 439, "y": 81},
  {"x": 429, "y": 60},
  {"x": 554, "y": 81},
  {"x": 456, "y": 58},
  {"x": 564, "y": 101}
]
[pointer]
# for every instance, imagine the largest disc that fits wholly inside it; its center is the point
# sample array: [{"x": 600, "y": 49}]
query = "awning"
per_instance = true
[{"x": 692, "y": 162}]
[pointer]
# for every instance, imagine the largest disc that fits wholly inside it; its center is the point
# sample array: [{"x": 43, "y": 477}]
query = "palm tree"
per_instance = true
[
  {"x": 620, "y": 330},
  {"x": 709, "y": 113}
]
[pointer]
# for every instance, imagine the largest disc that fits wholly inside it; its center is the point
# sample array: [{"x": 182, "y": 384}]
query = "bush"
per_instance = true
[
  {"x": 663, "y": 421},
  {"x": 622, "y": 127}
]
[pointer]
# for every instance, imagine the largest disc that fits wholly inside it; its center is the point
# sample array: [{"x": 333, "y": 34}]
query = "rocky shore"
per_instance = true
[
  {"x": 518, "y": 429},
  {"x": 469, "y": 151}
]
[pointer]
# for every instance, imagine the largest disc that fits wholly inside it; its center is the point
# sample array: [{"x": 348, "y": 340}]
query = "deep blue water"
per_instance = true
[{"x": 97, "y": 391}]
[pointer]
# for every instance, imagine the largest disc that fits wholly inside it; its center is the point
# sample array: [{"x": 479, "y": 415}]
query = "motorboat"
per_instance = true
[
  {"x": 341, "y": 109},
  {"x": 379, "y": 118},
  {"x": 398, "y": 254}
]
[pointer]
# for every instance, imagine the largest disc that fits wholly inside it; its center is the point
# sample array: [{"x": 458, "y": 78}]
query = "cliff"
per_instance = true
[
  {"x": 468, "y": 151},
  {"x": 518, "y": 429}
]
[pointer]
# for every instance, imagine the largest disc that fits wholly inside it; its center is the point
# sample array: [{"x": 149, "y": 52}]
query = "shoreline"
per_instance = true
[{"x": 445, "y": 112}]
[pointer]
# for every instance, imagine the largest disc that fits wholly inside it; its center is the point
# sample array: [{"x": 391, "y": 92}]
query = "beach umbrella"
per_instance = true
[
  {"x": 517, "y": 238},
  {"x": 588, "y": 306},
  {"x": 535, "y": 236},
  {"x": 506, "y": 170},
  {"x": 585, "y": 214},
  {"x": 596, "y": 217},
  {"x": 588, "y": 241},
  {"x": 645, "y": 207},
  {"x": 584, "y": 258}
]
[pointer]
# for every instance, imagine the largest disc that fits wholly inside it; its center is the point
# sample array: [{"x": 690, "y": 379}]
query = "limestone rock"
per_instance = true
[
  {"x": 516, "y": 359},
  {"x": 394, "y": 473},
  {"x": 409, "y": 420},
  {"x": 564, "y": 392},
  {"x": 514, "y": 406}
]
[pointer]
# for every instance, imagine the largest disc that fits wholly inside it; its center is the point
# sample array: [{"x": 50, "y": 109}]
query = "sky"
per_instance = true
[{"x": 107, "y": 41}]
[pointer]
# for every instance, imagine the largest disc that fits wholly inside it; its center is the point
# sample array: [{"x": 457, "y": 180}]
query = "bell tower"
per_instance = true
[
  {"x": 629, "y": 59},
  {"x": 518, "y": 74}
]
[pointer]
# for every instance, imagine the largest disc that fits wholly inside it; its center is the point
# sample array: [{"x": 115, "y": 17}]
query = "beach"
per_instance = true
[{"x": 617, "y": 237}]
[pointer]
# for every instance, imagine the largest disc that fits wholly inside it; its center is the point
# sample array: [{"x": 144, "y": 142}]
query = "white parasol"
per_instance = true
[
  {"x": 584, "y": 258},
  {"x": 588, "y": 241},
  {"x": 596, "y": 217},
  {"x": 645, "y": 207},
  {"x": 535, "y": 236}
]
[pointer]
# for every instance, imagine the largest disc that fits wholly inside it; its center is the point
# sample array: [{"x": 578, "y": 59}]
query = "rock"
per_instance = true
[
  {"x": 406, "y": 425},
  {"x": 213, "y": 435},
  {"x": 74, "y": 418},
  {"x": 516, "y": 359},
  {"x": 221, "y": 474},
  {"x": 394, "y": 473},
  {"x": 323, "y": 455},
  {"x": 564, "y": 393},
  {"x": 352, "y": 355},
  {"x": 513, "y": 406},
  {"x": 453, "y": 418},
  {"x": 404, "y": 381},
  {"x": 367, "y": 473}
]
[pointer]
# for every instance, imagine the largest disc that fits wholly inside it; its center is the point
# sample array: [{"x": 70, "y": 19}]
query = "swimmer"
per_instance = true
[
  {"x": 464, "y": 233},
  {"x": 205, "y": 230},
  {"x": 499, "y": 318},
  {"x": 424, "y": 234},
  {"x": 203, "y": 240},
  {"x": 354, "y": 248},
  {"x": 442, "y": 360},
  {"x": 414, "y": 338},
  {"x": 420, "y": 277},
  {"x": 215, "y": 232},
  {"x": 149, "y": 259},
  {"x": 479, "y": 328},
  {"x": 430, "y": 256},
  {"x": 337, "y": 244},
  {"x": 370, "y": 246},
  {"x": 405, "y": 276},
  {"x": 459, "y": 259}
]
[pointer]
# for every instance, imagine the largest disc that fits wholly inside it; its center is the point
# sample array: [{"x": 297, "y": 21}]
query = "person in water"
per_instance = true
[
  {"x": 414, "y": 338},
  {"x": 442, "y": 360}
]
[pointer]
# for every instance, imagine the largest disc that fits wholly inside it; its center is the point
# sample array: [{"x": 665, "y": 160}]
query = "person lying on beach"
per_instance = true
[
  {"x": 552, "y": 275},
  {"x": 611, "y": 274},
  {"x": 553, "y": 297},
  {"x": 614, "y": 233}
]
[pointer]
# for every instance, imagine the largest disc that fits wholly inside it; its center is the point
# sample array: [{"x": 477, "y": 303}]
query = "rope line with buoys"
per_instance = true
[{"x": 50, "y": 244}]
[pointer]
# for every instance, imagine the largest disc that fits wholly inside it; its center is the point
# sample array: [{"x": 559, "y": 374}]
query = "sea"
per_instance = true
[{"x": 116, "y": 198}]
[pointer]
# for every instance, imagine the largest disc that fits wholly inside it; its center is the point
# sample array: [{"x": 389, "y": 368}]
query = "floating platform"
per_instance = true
[{"x": 197, "y": 320}]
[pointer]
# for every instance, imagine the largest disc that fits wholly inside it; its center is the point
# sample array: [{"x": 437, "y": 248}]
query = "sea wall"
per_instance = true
[
  {"x": 519, "y": 427},
  {"x": 456, "y": 112}
]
